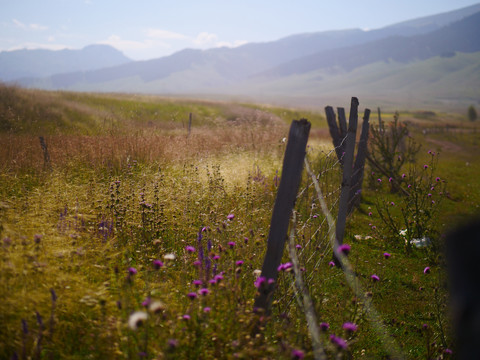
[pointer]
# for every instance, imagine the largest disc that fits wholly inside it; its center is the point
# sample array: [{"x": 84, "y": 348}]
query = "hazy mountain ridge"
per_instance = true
[{"x": 40, "y": 63}]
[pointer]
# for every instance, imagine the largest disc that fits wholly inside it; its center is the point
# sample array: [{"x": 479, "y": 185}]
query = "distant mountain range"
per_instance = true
[{"x": 299, "y": 67}]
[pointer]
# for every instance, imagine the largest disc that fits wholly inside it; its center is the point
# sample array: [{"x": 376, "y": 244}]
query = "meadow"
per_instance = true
[{"x": 139, "y": 239}]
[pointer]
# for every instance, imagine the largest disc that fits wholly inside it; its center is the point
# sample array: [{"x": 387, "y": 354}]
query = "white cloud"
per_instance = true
[
  {"x": 229, "y": 44},
  {"x": 34, "y": 27},
  {"x": 34, "y": 46},
  {"x": 205, "y": 39}
]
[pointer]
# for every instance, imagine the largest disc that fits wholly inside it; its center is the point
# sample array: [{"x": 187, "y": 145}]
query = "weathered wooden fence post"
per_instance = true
[
  {"x": 189, "y": 124},
  {"x": 46, "y": 155},
  {"x": 282, "y": 210}
]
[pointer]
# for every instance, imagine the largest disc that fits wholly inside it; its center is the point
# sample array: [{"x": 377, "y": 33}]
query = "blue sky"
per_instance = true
[{"x": 146, "y": 29}]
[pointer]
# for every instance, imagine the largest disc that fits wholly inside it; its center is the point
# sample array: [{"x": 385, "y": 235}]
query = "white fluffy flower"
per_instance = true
[{"x": 137, "y": 319}]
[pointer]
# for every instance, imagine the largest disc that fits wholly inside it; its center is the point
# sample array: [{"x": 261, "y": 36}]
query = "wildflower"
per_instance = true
[
  {"x": 260, "y": 281},
  {"x": 192, "y": 295},
  {"x": 197, "y": 282},
  {"x": 157, "y": 264},
  {"x": 190, "y": 249},
  {"x": 245, "y": 239},
  {"x": 338, "y": 341},
  {"x": 231, "y": 244},
  {"x": 284, "y": 267},
  {"x": 386, "y": 255},
  {"x": 216, "y": 257},
  {"x": 379, "y": 180},
  {"x": 156, "y": 306},
  {"x": 392, "y": 203},
  {"x": 297, "y": 354},
  {"x": 448, "y": 351},
  {"x": 218, "y": 277},
  {"x": 204, "y": 291},
  {"x": 173, "y": 343},
  {"x": 132, "y": 271},
  {"x": 375, "y": 277},
  {"x": 186, "y": 317},
  {"x": 331, "y": 264},
  {"x": 137, "y": 319},
  {"x": 429, "y": 195},
  {"x": 425, "y": 166},
  {"x": 257, "y": 272},
  {"x": 197, "y": 263},
  {"x": 206, "y": 309},
  {"x": 426, "y": 270},
  {"x": 298, "y": 246},
  {"x": 370, "y": 213},
  {"x": 404, "y": 176},
  {"x": 350, "y": 327},
  {"x": 315, "y": 216},
  {"x": 146, "y": 302},
  {"x": 390, "y": 179},
  {"x": 409, "y": 186},
  {"x": 37, "y": 238},
  {"x": 212, "y": 281},
  {"x": 170, "y": 256},
  {"x": 230, "y": 216},
  {"x": 437, "y": 179},
  {"x": 324, "y": 326},
  {"x": 344, "y": 249},
  {"x": 270, "y": 281},
  {"x": 239, "y": 263}
]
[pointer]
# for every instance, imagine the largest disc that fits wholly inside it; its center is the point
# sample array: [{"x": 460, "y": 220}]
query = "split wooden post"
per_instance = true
[
  {"x": 282, "y": 210},
  {"x": 347, "y": 177},
  {"x": 190, "y": 116}
]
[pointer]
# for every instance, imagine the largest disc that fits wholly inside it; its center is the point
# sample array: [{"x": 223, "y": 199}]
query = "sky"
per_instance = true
[{"x": 147, "y": 29}]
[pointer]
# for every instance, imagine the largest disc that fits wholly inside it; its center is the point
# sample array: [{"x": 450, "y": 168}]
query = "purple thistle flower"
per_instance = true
[
  {"x": 206, "y": 309},
  {"x": 231, "y": 244},
  {"x": 425, "y": 166},
  {"x": 426, "y": 270},
  {"x": 298, "y": 246},
  {"x": 370, "y": 213},
  {"x": 437, "y": 179},
  {"x": 331, "y": 264},
  {"x": 147, "y": 301},
  {"x": 284, "y": 267},
  {"x": 173, "y": 343},
  {"x": 404, "y": 176},
  {"x": 386, "y": 255},
  {"x": 218, "y": 277},
  {"x": 271, "y": 281},
  {"x": 297, "y": 354},
  {"x": 392, "y": 203},
  {"x": 186, "y": 317},
  {"x": 390, "y": 179},
  {"x": 190, "y": 249},
  {"x": 216, "y": 257},
  {"x": 157, "y": 264},
  {"x": 197, "y": 263},
  {"x": 192, "y": 295},
  {"x": 448, "y": 351},
  {"x": 379, "y": 180},
  {"x": 239, "y": 263},
  {"x": 132, "y": 271},
  {"x": 344, "y": 249},
  {"x": 212, "y": 281},
  {"x": 230, "y": 216},
  {"x": 204, "y": 291},
  {"x": 350, "y": 327},
  {"x": 260, "y": 281},
  {"x": 197, "y": 282},
  {"x": 375, "y": 277},
  {"x": 324, "y": 326},
  {"x": 338, "y": 341}
]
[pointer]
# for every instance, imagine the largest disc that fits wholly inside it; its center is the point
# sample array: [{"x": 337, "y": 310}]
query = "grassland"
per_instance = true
[{"x": 136, "y": 218}]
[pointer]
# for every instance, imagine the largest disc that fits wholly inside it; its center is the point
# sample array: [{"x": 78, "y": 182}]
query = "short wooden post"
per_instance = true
[
  {"x": 46, "y": 155},
  {"x": 347, "y": 177},
  {"x": 189, "y": 123},
  {"x": 282, "y": 210}
]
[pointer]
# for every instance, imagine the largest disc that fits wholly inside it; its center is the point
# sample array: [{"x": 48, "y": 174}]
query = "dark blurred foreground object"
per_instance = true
[{"x": 463, "y": 261}]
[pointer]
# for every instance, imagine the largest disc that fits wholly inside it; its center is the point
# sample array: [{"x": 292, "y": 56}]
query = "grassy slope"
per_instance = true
[{"x": 230, "y": 172}]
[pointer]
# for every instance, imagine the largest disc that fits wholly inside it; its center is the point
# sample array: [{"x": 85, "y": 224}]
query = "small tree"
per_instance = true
[{"x": 472, "y": 113}]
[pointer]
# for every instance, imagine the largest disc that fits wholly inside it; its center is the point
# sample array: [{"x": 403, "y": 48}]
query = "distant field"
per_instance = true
[{"x": 140, "y": 239}]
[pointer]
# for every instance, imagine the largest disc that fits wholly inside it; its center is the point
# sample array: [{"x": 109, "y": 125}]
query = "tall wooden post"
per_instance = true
[{"x": 282, "y": 210}]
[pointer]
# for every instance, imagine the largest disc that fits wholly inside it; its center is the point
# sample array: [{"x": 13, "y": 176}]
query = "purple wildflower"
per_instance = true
[
  {"x": 157, "y": 264},
  {"x": 379, "y": 180},
  {"x": 230, "y": 216},
  {"x": 390, "y": 179},
  {"x": 197, "y": 263},
  {"x": 298, "y": 246},
  {"x": 392, "y": 203},
  {"x": 190, "y": 249},
  {"x": 197, "y": 282},
  {"x": 204, "y": 291},
  {"x": 132, "y": 270},
  {"x": 186, "y": 317},
  {"x": 386, "y": 255},
  {"x": 218, "y": 277},
  {"x": 231, "y": 244},
  {"x": 426, "y": 270},
  {"x": 350, "y": 327},
  {"x": 375, "y": 277},
  {"x": 147, "y": 301},
  {"x": 260, "y": 281},
  {"x": 425, "y": 166},
  {"x": 338, "y": 341},
  {"x": 404, "y": 176},
  {"x": 192, "y": 295},
  {"x": 324, "y": 326},
  {"x": 437, "y": 179},
  {"x": 370, "y": 213},
  {"x": 297, "y": 354},
  {"x": 284, "y": 267},
  {"x": 239, "y": 263},
  {"x": 448, "y": 351},
  {"x": 173, "y": 343},
  {"x": 207, "y": 309},
  {"x": 344, "y": 249},
  {"x": 331, "y": 264}
]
